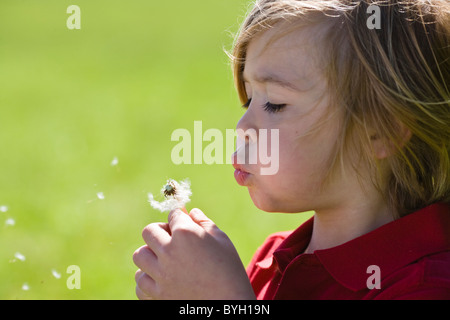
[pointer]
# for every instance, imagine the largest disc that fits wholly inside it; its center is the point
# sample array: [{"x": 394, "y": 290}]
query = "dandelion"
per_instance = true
[
  {"x": 100, "y": 195},
  {"x": 176, "y": 195},
  {"x": 25, "y": 287},
  {"x": 3, "y": 208}
]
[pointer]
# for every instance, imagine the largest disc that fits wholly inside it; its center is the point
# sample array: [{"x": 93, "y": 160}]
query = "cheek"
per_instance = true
[
  {"x": 304, "y": 151},
  {"x": 295, "y": 158},
  {"x": 266, "y": 194},
  {"x": 297, "y": 183},
  {"x": 281, "y": 192}
]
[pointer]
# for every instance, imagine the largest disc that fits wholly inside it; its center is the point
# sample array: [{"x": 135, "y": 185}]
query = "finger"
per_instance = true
[
  {"x": 184, "y": 210},
  {"x": 156, "y": 236},
  {"x": 138, "y": 274},
  {"x": 141, "y": 295},
  {"x": 202, "y": 220},
  {"x": 145, "y": 259},
  {"x": 179, "y": 219},
  {"x": 146, "y": 287}
]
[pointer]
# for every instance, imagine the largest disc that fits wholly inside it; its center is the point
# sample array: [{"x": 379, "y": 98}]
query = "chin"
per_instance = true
[
  {"x": 266, "y": 202},
  {"x": 269, "y": 203},
  {"x": 262, "y": 202}
]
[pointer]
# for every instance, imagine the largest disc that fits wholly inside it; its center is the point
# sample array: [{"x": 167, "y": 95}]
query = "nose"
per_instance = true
[
  {"x": 243, "y": 122},
  {"x": 246, "y": 127},
  {"x": 246, "y": 140}
]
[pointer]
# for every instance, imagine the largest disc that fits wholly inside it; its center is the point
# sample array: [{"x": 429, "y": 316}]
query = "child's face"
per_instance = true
[{"x": 284, "y": 72}]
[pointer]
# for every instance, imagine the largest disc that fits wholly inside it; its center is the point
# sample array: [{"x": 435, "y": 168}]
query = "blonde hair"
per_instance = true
[{"x": 390, "y": 80}]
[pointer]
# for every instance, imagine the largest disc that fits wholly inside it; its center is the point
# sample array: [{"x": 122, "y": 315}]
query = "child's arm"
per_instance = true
[{"x": 189, "y": 258}]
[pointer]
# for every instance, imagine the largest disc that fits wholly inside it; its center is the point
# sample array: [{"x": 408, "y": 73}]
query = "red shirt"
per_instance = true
[{"x": 412, "y": 255}]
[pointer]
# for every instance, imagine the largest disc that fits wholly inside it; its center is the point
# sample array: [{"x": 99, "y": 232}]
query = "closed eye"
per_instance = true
[
  {"x": 269, "y": 107},
  {"x": 273, "y": 108}
]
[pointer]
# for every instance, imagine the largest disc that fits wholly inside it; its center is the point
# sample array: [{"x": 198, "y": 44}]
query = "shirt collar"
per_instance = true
[{"x": 390, "y": 247}]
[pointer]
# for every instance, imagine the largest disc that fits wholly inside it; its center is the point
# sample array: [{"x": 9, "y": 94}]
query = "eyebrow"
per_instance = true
[{"x": 270, "y": 78}]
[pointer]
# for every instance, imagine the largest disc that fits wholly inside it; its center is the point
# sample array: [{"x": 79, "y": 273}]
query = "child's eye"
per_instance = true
[
  {"x": 269, "y": 107},
  {"x": 273, "y": 108}
]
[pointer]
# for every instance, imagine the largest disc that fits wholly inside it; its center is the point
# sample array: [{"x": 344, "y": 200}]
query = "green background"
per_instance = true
[{"x": 72, "y": 100}]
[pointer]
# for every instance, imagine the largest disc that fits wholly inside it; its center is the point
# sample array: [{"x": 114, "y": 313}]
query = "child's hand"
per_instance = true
[{"x": 189, "y": 258}]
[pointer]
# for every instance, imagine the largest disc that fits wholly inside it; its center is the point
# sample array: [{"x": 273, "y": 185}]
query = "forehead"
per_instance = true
[{"x": 284, "y": 51}]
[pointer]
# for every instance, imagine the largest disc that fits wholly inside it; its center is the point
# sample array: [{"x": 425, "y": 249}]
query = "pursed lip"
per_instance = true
[
  {"x": 240, "y": 174},
  {"x": 236, "y": 165},
  {"x": 239, "y": 167}
]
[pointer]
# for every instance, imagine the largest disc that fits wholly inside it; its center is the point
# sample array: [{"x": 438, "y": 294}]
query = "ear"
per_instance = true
[{"x": 383, "y": 147}]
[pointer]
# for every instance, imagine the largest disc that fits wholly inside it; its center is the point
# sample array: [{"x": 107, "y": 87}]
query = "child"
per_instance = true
[{"x": 363, "y": 112}]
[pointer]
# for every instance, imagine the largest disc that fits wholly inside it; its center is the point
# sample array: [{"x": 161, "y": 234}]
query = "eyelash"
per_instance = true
[{"x": 269, "y": 107}]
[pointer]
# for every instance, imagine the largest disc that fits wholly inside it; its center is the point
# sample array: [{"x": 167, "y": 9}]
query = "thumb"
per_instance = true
[{"x": 202, "y": 220}]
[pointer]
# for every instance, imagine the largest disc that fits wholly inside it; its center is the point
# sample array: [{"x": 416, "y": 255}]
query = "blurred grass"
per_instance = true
[{"x": 72, "y": 100}]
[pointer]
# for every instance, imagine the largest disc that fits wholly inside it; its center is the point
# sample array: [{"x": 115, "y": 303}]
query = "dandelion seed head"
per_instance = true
[
  {"x": 169, "y": 190},
  {"x": 3, "y": 208},
  {"x": 176, "y": 195},
  {"x": 100, "y": 195}
]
